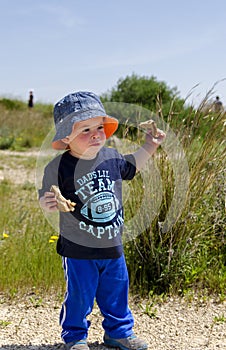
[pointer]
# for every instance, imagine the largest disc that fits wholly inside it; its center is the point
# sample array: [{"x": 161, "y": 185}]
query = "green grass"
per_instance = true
[
  {"x": 28, "y": 260},
  {"x": 22, "y": 128}
]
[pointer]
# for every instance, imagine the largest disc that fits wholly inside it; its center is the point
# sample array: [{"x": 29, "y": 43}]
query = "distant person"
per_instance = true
[
  {"x": 31, "y": 100},
  {"x": 218, "y": 105}
]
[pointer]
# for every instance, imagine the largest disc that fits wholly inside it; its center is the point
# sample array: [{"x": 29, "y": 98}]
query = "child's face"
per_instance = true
[{"x": 87, "y": 138}]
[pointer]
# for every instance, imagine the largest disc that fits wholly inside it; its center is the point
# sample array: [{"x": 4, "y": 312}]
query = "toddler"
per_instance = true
[{"x": 90, "y": 175}]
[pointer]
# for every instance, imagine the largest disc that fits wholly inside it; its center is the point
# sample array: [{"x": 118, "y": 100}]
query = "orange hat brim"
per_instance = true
[{"x": 110, "y": 126}]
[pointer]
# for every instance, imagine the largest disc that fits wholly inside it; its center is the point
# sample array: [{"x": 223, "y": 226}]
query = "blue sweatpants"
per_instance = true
[{"x": 105, "y": 280}]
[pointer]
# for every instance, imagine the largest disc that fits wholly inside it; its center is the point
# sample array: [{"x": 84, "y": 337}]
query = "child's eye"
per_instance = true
[{"x": 85, "y": 130}]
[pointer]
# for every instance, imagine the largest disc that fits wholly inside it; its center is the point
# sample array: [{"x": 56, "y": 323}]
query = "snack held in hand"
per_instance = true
[
  {"x": 150, "y": 125},
  {"x": 63, "y": 204}
]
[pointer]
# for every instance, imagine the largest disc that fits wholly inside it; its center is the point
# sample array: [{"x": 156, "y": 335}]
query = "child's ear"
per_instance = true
[{"x": 65, "y": 140}]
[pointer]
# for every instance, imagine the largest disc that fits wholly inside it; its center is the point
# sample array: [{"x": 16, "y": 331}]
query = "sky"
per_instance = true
[{"x": 56, "y": 47}]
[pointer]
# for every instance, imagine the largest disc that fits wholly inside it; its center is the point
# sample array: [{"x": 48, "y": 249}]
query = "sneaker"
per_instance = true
[
  {"x": 129, "y": 343},
  {"x": 77, "y": 345}
]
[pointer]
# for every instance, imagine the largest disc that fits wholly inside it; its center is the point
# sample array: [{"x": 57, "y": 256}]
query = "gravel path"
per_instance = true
[
  {"x": 175, "y": 324},
  {"x": 18, "y": 174}
]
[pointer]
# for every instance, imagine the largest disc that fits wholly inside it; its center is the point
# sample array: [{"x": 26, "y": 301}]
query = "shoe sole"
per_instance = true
[{"x": 115, "y": 344}]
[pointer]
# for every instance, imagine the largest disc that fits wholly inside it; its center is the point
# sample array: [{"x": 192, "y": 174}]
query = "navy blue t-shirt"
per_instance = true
[{"x": 93, "y": 230}]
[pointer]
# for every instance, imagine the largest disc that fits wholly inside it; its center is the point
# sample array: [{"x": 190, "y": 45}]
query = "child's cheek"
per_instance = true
[{"x": 83, "y": 137}]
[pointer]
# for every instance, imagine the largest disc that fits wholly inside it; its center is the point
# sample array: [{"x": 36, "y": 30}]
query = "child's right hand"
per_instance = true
[{"x": 48, "y": 202}]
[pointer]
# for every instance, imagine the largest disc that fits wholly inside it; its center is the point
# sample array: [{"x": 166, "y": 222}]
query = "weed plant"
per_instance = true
[{"x": 192, "y": 254}]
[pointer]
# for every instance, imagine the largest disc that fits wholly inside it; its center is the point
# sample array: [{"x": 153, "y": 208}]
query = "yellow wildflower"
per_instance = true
[{"x": 54, "y": 237}]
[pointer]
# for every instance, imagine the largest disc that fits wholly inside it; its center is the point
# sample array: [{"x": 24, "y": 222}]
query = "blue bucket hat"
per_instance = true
[{"x": 75, "y": 108}]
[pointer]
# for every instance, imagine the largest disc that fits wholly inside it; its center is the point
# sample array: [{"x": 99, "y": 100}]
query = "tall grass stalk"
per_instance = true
[{"x": 192, "y": 254}]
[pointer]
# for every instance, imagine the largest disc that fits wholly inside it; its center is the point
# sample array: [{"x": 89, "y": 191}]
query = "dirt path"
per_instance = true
[
  {"x": 172, "y": 325},
  {"x": 18, "y": 174},
  {"x": 31, "y": 153}
]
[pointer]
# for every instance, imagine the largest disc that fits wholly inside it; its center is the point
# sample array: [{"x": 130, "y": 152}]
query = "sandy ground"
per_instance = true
[
  {"x": 175, "y": 324},
  {"x": 19, "y": 174}
]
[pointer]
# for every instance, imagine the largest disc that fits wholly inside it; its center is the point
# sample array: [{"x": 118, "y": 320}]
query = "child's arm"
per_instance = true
[
  {"x": 148, "y": 149},
  {"x": 48, "y": 202}
]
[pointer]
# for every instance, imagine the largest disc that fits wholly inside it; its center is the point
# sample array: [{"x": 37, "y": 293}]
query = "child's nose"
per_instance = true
[{"x": 95, "y": 134}]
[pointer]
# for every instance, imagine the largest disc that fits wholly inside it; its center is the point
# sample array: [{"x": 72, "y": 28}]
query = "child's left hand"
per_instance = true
[
  {"x": 156, "y": 140},
  {"x": 154, "y": 136}
]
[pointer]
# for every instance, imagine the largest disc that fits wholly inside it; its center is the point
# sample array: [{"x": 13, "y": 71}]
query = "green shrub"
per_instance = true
[{"x": 10, "y": 104}]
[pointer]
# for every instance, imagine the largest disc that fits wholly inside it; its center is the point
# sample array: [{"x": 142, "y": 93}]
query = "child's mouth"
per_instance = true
[{"x": 95, "y": 144}]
